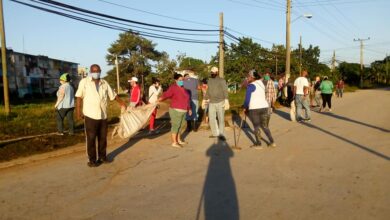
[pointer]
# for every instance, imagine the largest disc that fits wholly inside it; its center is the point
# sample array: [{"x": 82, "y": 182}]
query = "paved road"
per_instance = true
[{"x": 335, "y": 167}]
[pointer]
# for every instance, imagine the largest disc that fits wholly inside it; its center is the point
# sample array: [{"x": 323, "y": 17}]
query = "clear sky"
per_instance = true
[{"x": 334, "y": 25}]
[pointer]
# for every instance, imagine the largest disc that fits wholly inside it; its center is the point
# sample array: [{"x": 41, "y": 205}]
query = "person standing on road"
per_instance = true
[
  {"x": 154, "y": 92},
  {"x": 217, "y": 94},
  {"x": 93, "y": 94},
  {"x": 135, "y": 92},
  {"x": 257, "y": 107},
  {"x": 340, "y": 88},
  {"x": 301, "y": 92},
  {"x": 317, "y": 91},
  {"x": 180, "y": 105},
  {"x": 191, "y": 84},
  {"x": 270, "y": 94},
  {"x": 326, "y": 93},
  {"x": 205, "y": 102},
  {"x": 65, "y": 105}
]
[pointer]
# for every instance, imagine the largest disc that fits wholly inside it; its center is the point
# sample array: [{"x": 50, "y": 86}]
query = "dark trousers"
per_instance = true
[
  {"x": 60, "y": 115},
  {"x": 259, "y": 119},
  {"x": 96, "y": 129},
  {"x": 326, "y": 98}
]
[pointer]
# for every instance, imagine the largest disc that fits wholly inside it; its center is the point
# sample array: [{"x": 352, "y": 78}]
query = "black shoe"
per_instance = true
[
  {"x": 92, "y": 164},
  {"x": 222, "y": 138},
  {"x": 105, "y": 160}
]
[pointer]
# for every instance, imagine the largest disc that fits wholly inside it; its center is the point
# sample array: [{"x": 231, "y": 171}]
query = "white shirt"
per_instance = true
[
  {"x": 95, "y": 99},
  {"x": 258, "y": 100},
  {"x": 154, "y": 93},
  {"x": 300, "y": 83}
]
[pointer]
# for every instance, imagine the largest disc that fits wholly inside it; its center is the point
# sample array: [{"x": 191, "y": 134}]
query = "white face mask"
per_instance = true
[{"x": 95, "y": 75}]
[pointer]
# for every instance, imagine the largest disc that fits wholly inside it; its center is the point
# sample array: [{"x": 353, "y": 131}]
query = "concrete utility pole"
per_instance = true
[
  {"x": 288, "y": 49},
  {"x": 300, "y": 55},
  {"x": 361, "y": 59},
  {"x": 4, "y": 61},
  {"x": 333, "y": 62},
  {"x": 221, "y": 44},
  {"x": 117, "y": 73}
]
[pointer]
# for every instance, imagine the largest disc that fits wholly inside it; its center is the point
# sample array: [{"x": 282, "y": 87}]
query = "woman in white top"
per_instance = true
[{"x": 154, "y": 92}]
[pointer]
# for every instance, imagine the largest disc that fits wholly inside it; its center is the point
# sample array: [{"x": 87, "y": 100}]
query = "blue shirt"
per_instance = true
[{"x": 68, "y": 101}]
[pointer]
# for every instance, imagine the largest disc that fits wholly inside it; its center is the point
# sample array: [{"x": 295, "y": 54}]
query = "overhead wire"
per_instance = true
[{"x": 110, "y": 26}]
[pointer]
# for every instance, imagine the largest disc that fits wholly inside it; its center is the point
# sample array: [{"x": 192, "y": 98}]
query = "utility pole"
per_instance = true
[
  {"x": 361, "y": 59},
  {"x": 4, "y": 61},
  {"x": 221, "y": 45},
  {"x": 333, "y": 62},
  {"x": 300, "y": 55},
  {"x": 117, "y": 73},
  {"x": 288, "y": 49}
]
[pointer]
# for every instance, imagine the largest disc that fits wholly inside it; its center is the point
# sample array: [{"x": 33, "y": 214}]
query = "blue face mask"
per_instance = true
[{"x": 180, "y": 83}]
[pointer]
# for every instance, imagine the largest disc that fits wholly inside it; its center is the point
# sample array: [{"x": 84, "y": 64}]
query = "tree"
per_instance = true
[
  {"x": 350, "y": 72},
  {"x": 196, "y": 65},
  {"x": 165, "y": 69},
  {"x": 135, "y": 57}
]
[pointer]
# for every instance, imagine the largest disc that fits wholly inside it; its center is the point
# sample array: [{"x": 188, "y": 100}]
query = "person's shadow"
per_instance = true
[{"x": 219, "y": 194}]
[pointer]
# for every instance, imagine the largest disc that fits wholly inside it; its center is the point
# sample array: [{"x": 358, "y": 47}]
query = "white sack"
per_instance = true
[{"x": 132, "y": 120}]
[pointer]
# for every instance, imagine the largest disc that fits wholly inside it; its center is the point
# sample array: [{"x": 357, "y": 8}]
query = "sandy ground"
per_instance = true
[{"x": 335, "y": 167}]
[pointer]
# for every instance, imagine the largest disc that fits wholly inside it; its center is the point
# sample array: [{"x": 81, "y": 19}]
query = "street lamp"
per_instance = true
[{"x": 288, "y": 48}]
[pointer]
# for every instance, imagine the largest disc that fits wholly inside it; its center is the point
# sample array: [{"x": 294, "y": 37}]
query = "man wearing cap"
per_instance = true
[
  {"x": 217, "y": 93},
  {"x": 65, "y": 104},
  {"x": 93, "y": 94},
  {"x": 135, "y": 92}
]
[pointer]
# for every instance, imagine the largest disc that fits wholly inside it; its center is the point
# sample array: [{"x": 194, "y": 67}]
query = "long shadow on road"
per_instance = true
[
  {"x": 354, "y": 121},
  {"x": 349, "y": 141},
  {"x": 219, "y": 194}
]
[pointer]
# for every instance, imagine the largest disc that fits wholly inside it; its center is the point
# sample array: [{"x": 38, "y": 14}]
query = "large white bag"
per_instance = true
[{"x": 132, "y": 120}]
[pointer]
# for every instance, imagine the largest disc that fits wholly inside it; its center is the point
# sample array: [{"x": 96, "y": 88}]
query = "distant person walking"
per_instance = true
[
  {"x": 154, "y": 92},
  {"x": 180, "y": 105},
  {"x": 257, "y": 107},
  {"x": 301, "y": 93},
  {"x": 217, "y": 94},
  {"x": 317, "y": 91},
  {"x": 340, "y": 88},
  {"x": 135, "y": 92},
  {"x": 270, "y": 94},
  {"x": 93, "y": 94},
  {"x": 326, "y": 93},
  {"x": 191, "y": 84},
  {"x": 65, "y": 105}
]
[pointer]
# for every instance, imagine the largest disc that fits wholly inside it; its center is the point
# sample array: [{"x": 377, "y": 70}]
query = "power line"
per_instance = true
[
  {"x": 122, "y": 19},
  {"x": 156, "y": 14},
  {"x": 114, "y": 27}
]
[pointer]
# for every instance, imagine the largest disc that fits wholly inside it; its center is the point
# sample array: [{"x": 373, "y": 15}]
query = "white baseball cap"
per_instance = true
[
  {"x": 214, "y": 69},
  {"x": 134, "y": 79}
]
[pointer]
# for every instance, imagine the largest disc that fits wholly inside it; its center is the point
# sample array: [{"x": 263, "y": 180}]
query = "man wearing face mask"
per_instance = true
[
  {"x": 93, "y": 94},
  {"x": 217, "y": 93}
]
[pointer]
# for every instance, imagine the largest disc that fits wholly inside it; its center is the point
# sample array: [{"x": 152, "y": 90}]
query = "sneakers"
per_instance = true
[
  {"x": 182, "y": 142},
  {"x": 272, "y": 144},
  {"x": 257, "y": 146},
  {"x": 92, "y": 164},
  {"x": 176, "y": 145}
]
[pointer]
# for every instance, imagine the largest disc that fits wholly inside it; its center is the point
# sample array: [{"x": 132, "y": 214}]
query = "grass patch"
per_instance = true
[
  {"x": 37, "y": 145},
  {"x": 33, "y": 119}
]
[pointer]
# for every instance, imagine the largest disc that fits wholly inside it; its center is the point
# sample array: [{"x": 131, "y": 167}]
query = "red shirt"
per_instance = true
[
  {"x": 135, "y": 94},
  {"x": 179, "y": 97}
]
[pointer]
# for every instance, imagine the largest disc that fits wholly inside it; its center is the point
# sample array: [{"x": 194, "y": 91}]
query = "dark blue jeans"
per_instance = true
[{"x": 68, "y": 114}]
